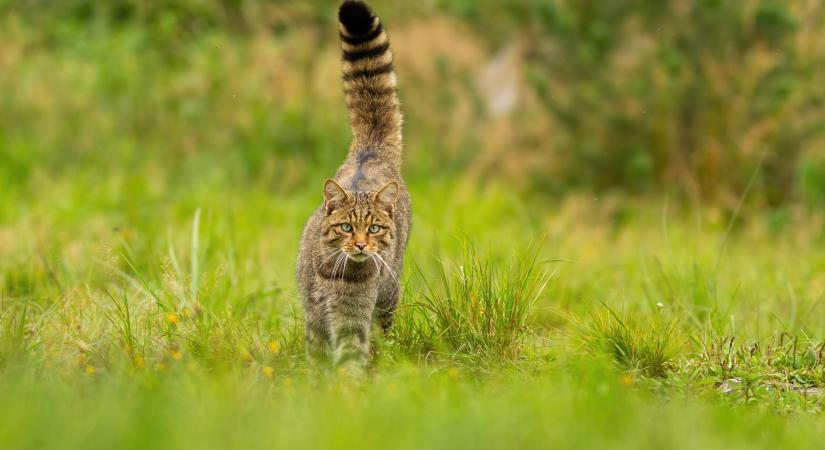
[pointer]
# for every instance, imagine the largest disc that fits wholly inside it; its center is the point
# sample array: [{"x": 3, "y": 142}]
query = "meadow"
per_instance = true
[{"x": 596, "y": 261}]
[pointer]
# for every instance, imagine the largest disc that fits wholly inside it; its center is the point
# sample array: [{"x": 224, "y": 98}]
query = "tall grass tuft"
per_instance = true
[
  {"x": 481, "y": 307},
  {"x": 648, "y": 349},
  {"x": 14, "y": 340}
]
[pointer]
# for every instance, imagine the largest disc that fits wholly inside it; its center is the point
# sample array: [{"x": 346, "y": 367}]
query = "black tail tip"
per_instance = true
[{"x": 356, "y": 17}]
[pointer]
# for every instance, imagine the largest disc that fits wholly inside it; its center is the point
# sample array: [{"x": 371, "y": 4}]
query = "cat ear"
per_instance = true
[
  {"x": 387, "y": 195},
  {"x": 334, "y": 195}
]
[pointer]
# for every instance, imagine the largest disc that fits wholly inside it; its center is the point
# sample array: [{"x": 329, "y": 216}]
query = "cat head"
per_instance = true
[{"x": 359, "y": 224}]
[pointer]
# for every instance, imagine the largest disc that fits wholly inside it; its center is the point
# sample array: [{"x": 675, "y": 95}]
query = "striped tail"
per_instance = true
[{"x": 369, "y": 83}]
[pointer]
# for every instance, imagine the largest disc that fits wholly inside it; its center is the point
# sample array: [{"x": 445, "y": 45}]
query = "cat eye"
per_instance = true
[
  {"x": 374, "y": 229},
  {"x": 346, "y": 228}
]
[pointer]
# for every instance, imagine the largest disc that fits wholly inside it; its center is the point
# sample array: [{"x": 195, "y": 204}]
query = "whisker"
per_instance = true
[
  {"x": 377, "y": 269},
  {"x": 385, "y": 253},
  {"x": 391, "y": 272},
  {"x": 331, "y": 254},
  {"x": 344, "y": 270},
  {"x": 337, "y": 264},
  {"x": 327, "y": 252}
]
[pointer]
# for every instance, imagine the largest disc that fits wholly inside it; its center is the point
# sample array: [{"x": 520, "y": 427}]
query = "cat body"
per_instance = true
[{"x": 352, "y": 249}]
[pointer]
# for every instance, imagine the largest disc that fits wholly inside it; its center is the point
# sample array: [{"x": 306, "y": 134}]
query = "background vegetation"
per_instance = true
[{"x": 618, "y": 234}]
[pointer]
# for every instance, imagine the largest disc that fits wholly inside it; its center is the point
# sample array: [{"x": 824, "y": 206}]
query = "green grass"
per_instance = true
[
  {"x": 479, "y": 308},
  {"x": 648, "y": 349},
  {"x": 188, "y": 332},
  {"x": 154, "y": 182}
]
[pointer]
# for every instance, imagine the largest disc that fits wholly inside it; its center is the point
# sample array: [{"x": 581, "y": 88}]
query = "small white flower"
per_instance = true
[{"x": 660, "y": 305}]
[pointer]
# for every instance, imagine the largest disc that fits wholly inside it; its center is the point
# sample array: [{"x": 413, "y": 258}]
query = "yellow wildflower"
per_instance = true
[
  {"x": 139, "y": 362},
  {"x": 90, "y": 370},
  {"x": 627, "y": 379},
  {"x": 172, "y": 318},
  {"x": 274, "y": 347},
  {"x": 268, "y": 371},
  {"x": 176, "y": 355},
  {"x": 246, "y": 356}
]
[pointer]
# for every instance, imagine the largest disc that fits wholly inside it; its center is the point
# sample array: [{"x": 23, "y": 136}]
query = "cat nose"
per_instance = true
[{"x": 361, "y": 245}]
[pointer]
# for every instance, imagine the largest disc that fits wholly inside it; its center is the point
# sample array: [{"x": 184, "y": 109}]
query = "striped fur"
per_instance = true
[
  {"x": 352, "y": 249},
  {"x": 370, "y": 82}
]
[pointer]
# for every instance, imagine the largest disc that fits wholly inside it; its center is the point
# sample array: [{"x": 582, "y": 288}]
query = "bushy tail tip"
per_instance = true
[{"x": 356, "y": 17}]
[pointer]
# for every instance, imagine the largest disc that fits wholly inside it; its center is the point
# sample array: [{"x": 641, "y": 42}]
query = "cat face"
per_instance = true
[{"x": 359, "y": 224}]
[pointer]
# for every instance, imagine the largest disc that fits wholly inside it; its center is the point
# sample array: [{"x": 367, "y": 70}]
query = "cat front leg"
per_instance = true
[
  {"x": 351, "y": 321},
  {"x": 318, "y": 335}
]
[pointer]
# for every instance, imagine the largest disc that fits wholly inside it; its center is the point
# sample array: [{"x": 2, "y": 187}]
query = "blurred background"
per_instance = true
[
  {"x": 661, "y": 164},
  {"x": 700, "y": 101}
]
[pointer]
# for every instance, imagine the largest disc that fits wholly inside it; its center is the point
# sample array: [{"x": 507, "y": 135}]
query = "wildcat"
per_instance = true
[{"x": 352, "y": 249}]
